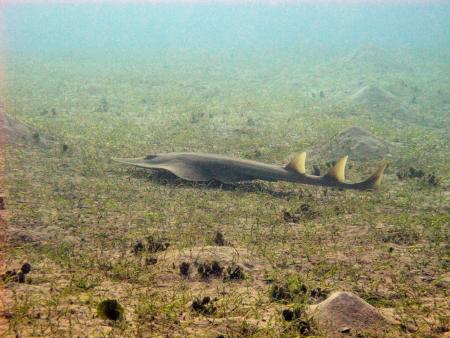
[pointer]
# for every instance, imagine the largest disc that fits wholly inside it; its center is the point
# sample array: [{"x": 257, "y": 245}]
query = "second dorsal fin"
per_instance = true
[{"x": 338, "y": 171}]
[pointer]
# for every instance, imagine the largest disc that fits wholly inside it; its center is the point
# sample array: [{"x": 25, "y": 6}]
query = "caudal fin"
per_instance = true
[{"x": 374, "y": 181}]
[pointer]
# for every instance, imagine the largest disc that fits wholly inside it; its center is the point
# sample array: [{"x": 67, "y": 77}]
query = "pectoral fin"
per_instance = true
[{"x": 179, "y": 168}]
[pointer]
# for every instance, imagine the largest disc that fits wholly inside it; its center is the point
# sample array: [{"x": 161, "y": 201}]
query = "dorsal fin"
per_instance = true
[
  {"x": 297, "y": 164},
  {"x": 338, "y": 171}
]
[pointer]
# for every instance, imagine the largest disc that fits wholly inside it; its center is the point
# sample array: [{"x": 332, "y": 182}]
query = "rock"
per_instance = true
[
  {"x": 26, "y": 268},
  {"x": 359, "y": 144},
  {"x": 219, "y": 239},
  {"x": 21, "y": 277},
  {"x": 16, "y": 132},
  {"x": 346, "y": 313},
  {"x": 110, "y": 309}
]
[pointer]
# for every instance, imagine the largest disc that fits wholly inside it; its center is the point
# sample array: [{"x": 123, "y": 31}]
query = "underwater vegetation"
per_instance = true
[{"x": 100, "y": 249}]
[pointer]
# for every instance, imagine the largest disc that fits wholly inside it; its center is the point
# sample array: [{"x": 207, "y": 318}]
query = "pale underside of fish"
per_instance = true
[{"x": 200, "y": 167}]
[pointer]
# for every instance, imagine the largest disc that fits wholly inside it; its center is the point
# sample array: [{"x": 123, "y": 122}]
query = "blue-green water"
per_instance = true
[{"x": 136, "y": 28}]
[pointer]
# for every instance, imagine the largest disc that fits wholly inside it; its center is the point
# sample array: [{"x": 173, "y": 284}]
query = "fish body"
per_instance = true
[{"x": 207, "y": 167}]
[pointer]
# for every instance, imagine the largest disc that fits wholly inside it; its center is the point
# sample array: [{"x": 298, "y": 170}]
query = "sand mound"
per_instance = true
[
  {"x": 380, "y": 103},
  {"x": 372, "y": 59},
  {"x": 346, "y": 313},
  {"x": 359, "y": 144},
  {"x": 16, "y": 132},
  {"x": 372, "y": 96}
]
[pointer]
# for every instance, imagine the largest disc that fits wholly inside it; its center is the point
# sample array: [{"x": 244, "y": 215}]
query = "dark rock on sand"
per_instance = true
[
  {"x": 26, "y": 268},
  {"x": 110, "y": 309},
  {"x": 219, "y": 239},
  {"x": 184, "y": 268}
]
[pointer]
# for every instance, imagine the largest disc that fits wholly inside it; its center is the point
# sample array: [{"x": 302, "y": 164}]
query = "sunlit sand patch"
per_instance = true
[
  {"x": 226, "y": 275},
  {"x": 252, "y": 266}
]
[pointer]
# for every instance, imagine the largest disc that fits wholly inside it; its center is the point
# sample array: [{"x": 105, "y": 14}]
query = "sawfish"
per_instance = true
[{"x": 200, "y": 167}]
